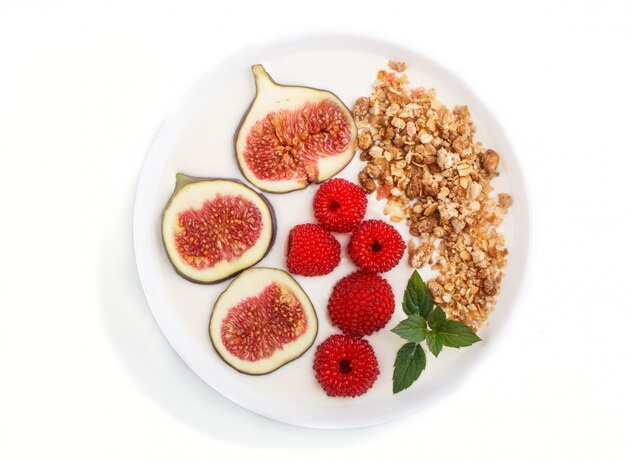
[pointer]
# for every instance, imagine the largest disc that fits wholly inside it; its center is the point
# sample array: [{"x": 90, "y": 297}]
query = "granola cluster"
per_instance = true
[{"x": 422, "y": 158}]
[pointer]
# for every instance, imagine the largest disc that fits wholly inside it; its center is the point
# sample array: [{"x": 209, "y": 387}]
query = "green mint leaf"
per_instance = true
[
  {"x": 412, "y": 329},
  {"x": 409, "y": 364},
  {"x": 435, "y": 342},
  {"x": 410, "y": 299},
  {"x": 437, "y": 318},
  {"x": 457, "y": 334},
  {"x": 417, "y": 298}
]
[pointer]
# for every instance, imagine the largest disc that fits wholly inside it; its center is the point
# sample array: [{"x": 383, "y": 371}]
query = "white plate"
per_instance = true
[{"x": 197, "y": 139}]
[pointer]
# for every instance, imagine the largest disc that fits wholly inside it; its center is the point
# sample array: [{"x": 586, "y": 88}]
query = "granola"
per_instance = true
[{"x": 423, "y": 159}]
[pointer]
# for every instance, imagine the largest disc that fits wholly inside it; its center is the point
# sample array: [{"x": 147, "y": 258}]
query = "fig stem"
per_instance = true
[
  {"x": 182, "y": 180},
  {"x": 261, "y": 77}
]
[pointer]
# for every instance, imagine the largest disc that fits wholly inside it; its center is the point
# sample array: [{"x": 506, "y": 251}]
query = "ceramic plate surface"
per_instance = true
[{"x": 197, "y": 139}]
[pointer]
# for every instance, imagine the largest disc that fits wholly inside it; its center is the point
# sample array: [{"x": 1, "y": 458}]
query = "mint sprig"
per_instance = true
[{"x": 428, "y": 322}]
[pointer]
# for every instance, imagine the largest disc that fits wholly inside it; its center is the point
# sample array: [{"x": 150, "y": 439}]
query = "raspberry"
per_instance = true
[
  {"x": 345, "y": 366},
  {"x": 312, "y": 250},
  {"x": 361, "y": 303},
  {"x": 339, "y": 205},
  {"x": 376, "y": 246}
]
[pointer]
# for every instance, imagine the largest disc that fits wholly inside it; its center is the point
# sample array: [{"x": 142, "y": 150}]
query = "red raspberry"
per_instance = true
[
  {"x": 361, "y": 303},
  {"x": 339, "y": 205},
  {"x": 312, "y": 250},
  {"x": 376, "y": 246},
  {"x": 345, "y": 366}
]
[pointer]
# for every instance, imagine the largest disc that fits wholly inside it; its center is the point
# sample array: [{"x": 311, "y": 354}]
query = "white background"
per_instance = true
[{"x": 84, "y": 371}]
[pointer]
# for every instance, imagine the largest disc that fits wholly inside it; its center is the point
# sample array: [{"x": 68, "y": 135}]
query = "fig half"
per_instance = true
[
  {"x": 292, "y": 136},
  {"x": 262, "y": 321},
  {"x": 214, "y": 228}
]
